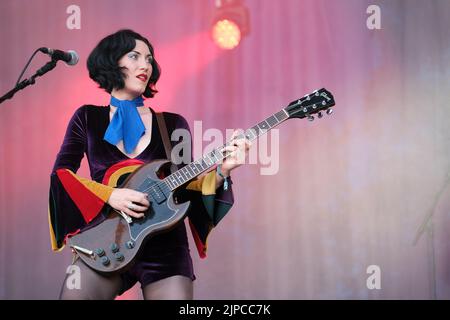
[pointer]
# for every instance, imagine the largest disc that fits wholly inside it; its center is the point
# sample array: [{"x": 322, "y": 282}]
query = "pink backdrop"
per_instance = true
[{"x": 351, "y": 190}]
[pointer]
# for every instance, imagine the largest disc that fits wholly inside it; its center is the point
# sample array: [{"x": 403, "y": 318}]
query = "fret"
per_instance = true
[
  {"x": 272, "y": 121},
  {"x": 263, "y": 126},
  {"x": 169, "y": 183},
  {"x": 180, "y": 178},
  {"x": 186, "y": 173},
  {"x": 189, "y": 170},
  {"x": 217, "y": 155},
  {"x": 211, "y": 155},
  {"x": 194, "y": 167},
  {"x": 183, "y": 174},
  {"x": 250, "y": 133},
  {"x": 281, "y": 115},
  {"x": 173, "y": 180},
  {"x": 208, "y": 161},
  {"x": 176, "y": 178},
  {"x": 199, "y": 167},
  {"x": 167, "y": 186}
]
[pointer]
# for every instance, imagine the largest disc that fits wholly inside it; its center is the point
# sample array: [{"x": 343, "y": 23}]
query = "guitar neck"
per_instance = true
[{"x": 209, "y": 160}]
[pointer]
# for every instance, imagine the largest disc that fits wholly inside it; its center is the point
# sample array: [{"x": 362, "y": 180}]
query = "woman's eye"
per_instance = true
[{"x": 132, "y": 56}]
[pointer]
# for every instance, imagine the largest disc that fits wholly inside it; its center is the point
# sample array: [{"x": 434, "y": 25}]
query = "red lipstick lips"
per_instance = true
[{"x": 143, "y": 77}]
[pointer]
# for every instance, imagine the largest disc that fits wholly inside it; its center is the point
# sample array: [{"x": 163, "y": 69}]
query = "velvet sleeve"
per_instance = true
[
  {"x": 208, "y": 205},
  {"x": 73, "y": 201}
]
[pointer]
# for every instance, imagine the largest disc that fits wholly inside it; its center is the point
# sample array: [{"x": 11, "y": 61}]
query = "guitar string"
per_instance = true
[{"x": 163, "y": 183}]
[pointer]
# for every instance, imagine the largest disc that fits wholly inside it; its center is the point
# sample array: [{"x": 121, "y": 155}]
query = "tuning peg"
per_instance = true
[
  {"x": 310, "y": 118},
  {"x": 320, "y": 115},
  {"x": 329, "y": 111}
]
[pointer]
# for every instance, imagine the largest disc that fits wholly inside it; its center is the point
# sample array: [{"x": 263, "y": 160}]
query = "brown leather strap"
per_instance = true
[{"x": 164, "y": 134}]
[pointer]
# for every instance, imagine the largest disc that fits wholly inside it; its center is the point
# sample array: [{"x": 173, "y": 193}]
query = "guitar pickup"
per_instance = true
[{"x": 157, "y": 194}]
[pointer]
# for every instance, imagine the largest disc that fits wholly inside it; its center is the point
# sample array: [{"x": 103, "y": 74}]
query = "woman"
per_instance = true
[{"x": 116, "y": 140}]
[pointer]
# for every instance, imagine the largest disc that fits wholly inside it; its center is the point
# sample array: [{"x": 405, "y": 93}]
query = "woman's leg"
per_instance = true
[
  {"x": 171, "y": 288},
  {"x": 83, "y": 283}
]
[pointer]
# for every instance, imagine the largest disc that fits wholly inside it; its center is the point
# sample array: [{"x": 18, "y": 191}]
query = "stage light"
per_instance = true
[
  {"x": 226, "y": 34},
  {"x": 230, "y": 23}
]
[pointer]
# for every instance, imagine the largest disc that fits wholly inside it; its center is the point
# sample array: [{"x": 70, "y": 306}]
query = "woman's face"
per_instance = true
[{"x": 138, "y": 68}]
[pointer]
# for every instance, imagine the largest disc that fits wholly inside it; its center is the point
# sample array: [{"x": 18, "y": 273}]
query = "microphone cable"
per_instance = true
[{"x": 26, "y": 66}]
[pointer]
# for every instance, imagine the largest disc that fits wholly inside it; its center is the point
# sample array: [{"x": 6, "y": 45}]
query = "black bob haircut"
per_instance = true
[{"x": 103, "y": 62}]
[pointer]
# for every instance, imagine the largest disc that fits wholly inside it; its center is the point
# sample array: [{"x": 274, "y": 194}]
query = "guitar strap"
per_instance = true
[{"x": 164, "y": 134}]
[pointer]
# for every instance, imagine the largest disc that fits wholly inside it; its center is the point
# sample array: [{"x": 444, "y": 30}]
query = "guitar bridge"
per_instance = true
[
  {"x": 83, "y": 250},
  {"x": 125, "y": 216}
]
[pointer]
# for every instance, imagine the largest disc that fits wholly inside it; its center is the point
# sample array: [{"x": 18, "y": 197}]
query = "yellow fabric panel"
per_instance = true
[
  {"x": 52, "y": 235},
  {"x": 100, "y": 190},
  {"x": 206, "y": 184},
  {"x": 117, "y": 174}
]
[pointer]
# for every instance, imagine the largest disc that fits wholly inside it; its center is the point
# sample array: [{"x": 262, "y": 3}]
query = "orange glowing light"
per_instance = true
[{"x": 226, "y": 34}]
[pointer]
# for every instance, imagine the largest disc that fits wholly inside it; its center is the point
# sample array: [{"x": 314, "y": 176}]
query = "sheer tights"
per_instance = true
[{"x": 95, "y": 286}]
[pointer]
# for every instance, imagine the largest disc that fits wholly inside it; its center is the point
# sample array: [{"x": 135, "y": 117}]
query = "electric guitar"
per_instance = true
[{"x": 112, "y": 245}]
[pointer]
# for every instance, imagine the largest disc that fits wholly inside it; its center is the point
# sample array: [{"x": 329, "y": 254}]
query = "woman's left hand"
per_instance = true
[{"x": 238, "y": 153}]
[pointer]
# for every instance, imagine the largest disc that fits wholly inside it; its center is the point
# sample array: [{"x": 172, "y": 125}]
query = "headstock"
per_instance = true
[{"x": 314, "y": 103}]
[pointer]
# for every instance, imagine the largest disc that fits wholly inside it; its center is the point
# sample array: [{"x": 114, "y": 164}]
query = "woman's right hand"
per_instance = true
[{"x": 131, "y": 202}]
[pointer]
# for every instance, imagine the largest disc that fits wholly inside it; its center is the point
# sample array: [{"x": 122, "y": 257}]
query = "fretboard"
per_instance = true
[{"x": 210, "y": 159}]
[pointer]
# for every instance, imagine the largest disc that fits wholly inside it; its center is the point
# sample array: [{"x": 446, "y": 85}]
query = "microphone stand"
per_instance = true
[
  {"x": 25, "y": 83},
  {"x": 428, "y": 227}
]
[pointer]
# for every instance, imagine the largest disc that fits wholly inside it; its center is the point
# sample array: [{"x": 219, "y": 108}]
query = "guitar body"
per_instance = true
[{"x": 114, "y": 243}]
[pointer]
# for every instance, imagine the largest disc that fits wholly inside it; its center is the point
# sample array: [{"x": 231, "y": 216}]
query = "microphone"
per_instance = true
[{"x": 70, "y": 57}]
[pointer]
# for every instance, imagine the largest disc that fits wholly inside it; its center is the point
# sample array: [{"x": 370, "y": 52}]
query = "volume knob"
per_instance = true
[
  {"x": 100, "y": 252},
  {"x": 114, "y": 247},
  {"x": 104, "y": 260},
  {"x": 119, "y": 256}
]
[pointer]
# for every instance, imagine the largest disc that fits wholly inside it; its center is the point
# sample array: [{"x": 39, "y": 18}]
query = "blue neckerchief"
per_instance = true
[{"x": 126, "y": 124}]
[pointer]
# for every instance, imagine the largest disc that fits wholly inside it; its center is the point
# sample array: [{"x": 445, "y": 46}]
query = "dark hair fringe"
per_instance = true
[{"x": 103, "y": 62}]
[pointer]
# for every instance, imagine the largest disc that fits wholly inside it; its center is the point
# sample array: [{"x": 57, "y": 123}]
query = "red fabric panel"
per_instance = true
[{"x": 86, "y": 201}]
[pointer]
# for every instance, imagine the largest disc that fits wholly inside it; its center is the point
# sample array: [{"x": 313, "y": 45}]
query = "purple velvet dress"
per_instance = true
[{"x": 74, "y": 201}]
